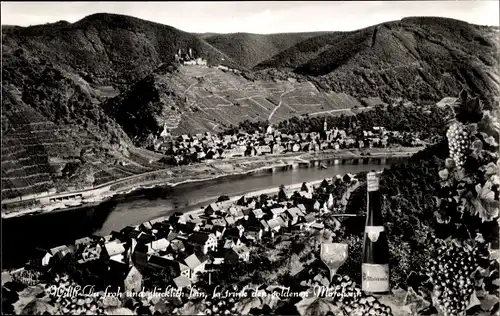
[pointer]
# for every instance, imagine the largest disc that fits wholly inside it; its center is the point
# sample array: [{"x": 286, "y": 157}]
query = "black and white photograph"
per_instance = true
[{"x": 250, "y": 158}]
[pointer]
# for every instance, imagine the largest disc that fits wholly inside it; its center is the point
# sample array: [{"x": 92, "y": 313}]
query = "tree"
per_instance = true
[
  {"x": 304, "y": 187},
  {"x": 281, "y": 194},
  {"x": 223, "y": 198}
]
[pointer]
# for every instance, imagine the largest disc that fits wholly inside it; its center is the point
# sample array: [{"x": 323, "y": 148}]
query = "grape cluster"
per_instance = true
[
  {"x": 28, "y": 277},
  {"x": 459, "y": 142},
  {"x": 368, "y": 306},
  {"x": 451, "y": 275},
  {"x": 221, "y": 306},
  {"x": 355, "y": 302}
]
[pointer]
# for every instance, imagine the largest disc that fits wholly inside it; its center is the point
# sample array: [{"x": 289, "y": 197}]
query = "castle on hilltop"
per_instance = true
[{"x": 189, "y": 58}]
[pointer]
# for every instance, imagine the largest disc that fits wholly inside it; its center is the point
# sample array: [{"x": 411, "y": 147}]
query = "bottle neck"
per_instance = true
[{"x": 374, "y": 209}]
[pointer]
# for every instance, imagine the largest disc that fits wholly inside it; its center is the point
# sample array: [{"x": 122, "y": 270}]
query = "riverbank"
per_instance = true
[{"x": 204, "y": 172}]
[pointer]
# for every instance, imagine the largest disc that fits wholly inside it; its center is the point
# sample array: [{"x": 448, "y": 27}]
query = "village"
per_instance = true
[
  {"x": 185, "y": 245},
  {"x": 187, "y": 149}
]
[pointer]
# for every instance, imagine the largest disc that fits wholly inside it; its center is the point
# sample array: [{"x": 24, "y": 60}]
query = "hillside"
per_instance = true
[
  {"x": 248, "y": 50},
  {"x": 55, "y": 133},
  {"x": 196, "y": 100},
  {"x": 108, "y": 48},
  {"x": 415, "y": 58}
]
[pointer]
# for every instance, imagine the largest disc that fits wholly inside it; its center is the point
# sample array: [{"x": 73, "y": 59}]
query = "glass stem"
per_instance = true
[{"x": 332, "y": 274}]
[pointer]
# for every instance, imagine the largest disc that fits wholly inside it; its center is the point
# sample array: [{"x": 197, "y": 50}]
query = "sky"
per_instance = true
[{"x": 262, "y": 17}]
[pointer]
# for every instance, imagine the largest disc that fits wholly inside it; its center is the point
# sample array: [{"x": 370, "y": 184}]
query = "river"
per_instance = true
[{"x": 21, "y": 236}]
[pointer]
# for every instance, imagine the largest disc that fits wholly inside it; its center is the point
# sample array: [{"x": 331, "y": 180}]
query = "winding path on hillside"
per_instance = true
[
  {"x": 341, "y": 110},
  {"x": 279, "y": 104}
]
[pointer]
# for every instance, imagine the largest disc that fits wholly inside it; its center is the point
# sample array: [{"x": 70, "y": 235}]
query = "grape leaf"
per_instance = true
[
  {"x": 491, "y": 169},
  {"x": 477, "y": 146},
  {"x": 118, "y": 311},
  {"x": 396, "y": 303},
  {"x": 485, "y": 205},
  {"x": 317, "y": 306},
  {"x": 490, "y": 140},
  {"x": 416, "y": 302},
  {"x": 399, "y": 296},
  {"x": 245, "y": 304},
  {"x": 450, "y": 163},
  {"x": 443, "y": 174},
  {"x": 488, "y": 302},
  {"x": 473, "y": 301},
  {"x": 489, "y": 125},
  {"x": 191, "y": 308},
  {"x": 271, "y": 300},
  {"x": 495, "y": 254}
]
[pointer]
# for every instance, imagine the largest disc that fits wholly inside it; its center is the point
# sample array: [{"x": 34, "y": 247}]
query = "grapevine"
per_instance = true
[{"x": 469, "y": 197}]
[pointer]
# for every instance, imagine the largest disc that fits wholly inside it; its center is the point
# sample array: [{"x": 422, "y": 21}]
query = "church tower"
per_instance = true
[
  {"x": 325, "y": 126},
  {"x": 165, "y": 133}
]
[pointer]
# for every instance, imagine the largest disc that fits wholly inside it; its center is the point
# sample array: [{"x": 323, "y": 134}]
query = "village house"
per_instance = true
[
  {"x": 218, "y": 231},
  {"x": 238, "y": 253},
  {"x": 207, "y": 242},
  {"x": 253, "y": 233},
  {"x": 263, "y": 150},
  {"x": 90, "y": 253},
  {"x": 212, "y": 209},
  {"x": 114, "y": 251},
  {"x": 218, "y": 222},
  {"x": 196, "y": 264},
  {"x": 294, "y": 215},
  {"x": 231, "y": 241},
  {"x": 59, "y": 251},
  {"x": 236, "y": 212},
  {"x": 258, "y": 213},
  {"x": 282, "y": 220},
  {"x": 156, "y": 246},
  {"x": 177, "y": 246},
  {"x": 238, "y": 151},
  {"x": 274, "y": 226},
  {"x": 264, "y": 225},
  {"x": 233, "y": 232},
  {"x": 83, "y": 241},
  {"x": 173, "y": 268},
  {"x": 230, "y": 220},
  {"x": 309, "y": 220},
  {"x": 218, "y": 257},
  {"x": 275, "y": 212}
]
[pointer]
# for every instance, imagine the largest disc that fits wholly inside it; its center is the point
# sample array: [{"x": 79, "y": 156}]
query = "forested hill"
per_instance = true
[
  {"x": 422, "y": 58},
  {"x": 248, "y": 49}
]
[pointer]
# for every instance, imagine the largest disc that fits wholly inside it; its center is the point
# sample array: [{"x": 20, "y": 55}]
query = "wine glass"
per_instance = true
[{"x": 333, "y": 256}]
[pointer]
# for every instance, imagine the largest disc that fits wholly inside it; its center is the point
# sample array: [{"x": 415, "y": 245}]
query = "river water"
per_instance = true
[{"x": 21, "y": 236}]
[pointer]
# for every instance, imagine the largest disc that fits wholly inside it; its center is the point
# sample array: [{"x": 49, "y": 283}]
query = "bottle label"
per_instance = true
[
  {"x": 375, "y": 278},
  {"x": 373, "y": 232},
  {"x": 372, "y": 182}
]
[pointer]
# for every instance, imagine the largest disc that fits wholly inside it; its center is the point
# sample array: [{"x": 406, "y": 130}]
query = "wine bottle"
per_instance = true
[{"x": 375, "y": 265}]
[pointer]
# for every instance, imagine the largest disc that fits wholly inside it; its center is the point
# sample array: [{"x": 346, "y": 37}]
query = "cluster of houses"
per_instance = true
[
  {"x": 185, "y": 149},
  {"x": 189, "y": 58},
  {"x": 185, "y": 244}
]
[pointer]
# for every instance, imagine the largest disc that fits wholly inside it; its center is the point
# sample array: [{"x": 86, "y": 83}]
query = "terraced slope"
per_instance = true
[
  {"x": 54, "y": 79},
  {"x": 194, "y": 99}
]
